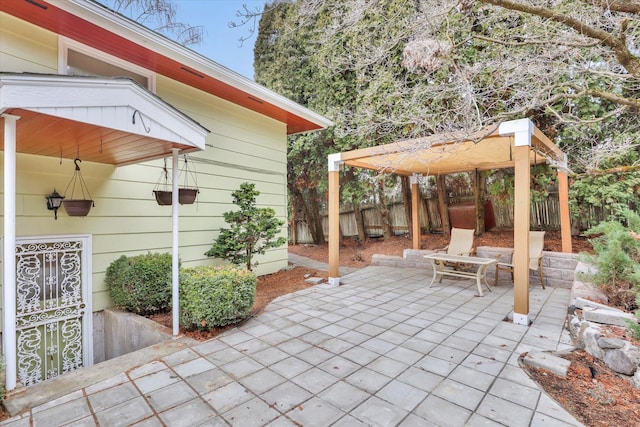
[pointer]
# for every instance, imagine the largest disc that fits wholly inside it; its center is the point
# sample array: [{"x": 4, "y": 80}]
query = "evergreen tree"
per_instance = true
[
  {"x": 385, "y": 70},
  {"x": 252, "y": 230}
]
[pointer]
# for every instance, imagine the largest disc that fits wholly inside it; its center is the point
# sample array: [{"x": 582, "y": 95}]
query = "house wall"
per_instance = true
[
  {"x": 26, "y": 47},
  {"x": 242, "y": 146}
]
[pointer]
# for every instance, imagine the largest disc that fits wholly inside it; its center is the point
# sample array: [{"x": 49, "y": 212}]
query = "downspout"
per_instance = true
[{"x": 8, "y": 253}]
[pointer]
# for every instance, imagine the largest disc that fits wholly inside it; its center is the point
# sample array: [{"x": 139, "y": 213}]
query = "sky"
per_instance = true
[{"x": 221, "y": 42}]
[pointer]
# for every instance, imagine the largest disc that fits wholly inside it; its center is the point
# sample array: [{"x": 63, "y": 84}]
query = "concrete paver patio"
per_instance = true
[{"x": 382, "y": 349}]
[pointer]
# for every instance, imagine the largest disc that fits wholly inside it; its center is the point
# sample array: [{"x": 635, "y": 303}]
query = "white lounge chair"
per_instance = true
[
  {"x": 536, "y": 245},
  {"x": 461, "y": 242}
]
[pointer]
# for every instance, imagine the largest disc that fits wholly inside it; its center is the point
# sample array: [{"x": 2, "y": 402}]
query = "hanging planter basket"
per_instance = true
[
  {"x": 186, "y": 194},
  {"x": 80, "y": 206},
  {"x": 77, "y": 207},
  {"x": 163, "y": 198}
]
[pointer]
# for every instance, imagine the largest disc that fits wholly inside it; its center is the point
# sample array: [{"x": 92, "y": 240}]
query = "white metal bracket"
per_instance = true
[
  {"x": 521, "y": 129},
  {"x": 334, "y": 160},
  {"x": 521, "y": 319}
]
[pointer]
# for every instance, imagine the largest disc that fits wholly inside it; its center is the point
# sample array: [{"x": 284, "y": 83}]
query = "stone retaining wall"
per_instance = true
[
  {"x": 585, "y": 329},
  {"x": 559, "y": 268}
]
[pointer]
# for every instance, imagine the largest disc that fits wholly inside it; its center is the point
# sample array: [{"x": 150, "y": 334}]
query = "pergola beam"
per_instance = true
[
  {"x": 363, "y": 165},
  {"x": 544, "y": 144}
]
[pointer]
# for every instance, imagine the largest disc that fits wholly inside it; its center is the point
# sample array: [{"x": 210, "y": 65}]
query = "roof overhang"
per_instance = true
[
  {"x": 104, "y": 120},
  {"x": 95, "y": 25},
  {"x": 490, "y": 148}
]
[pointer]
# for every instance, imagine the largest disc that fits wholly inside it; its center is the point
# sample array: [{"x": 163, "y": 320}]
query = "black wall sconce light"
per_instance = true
[{"x": 54, "y": 200}]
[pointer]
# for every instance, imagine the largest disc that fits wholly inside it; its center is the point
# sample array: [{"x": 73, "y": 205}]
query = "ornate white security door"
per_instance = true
[{"x": 53, "y": 310}]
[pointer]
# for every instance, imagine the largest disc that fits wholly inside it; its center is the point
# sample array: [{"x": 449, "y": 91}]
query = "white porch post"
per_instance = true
[
  {"x": 8, "y": 253},
  {"x": 334, "y": 218},
  {"x": 175, "y": 255},
  {"x": 521, "y": 130}
]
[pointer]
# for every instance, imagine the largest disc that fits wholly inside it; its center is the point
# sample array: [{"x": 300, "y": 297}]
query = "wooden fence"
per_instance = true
[{"x": 545, "y": 215}]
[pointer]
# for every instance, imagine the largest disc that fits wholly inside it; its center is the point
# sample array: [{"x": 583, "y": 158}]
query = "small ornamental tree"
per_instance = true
[{"x": 252, "y": 230}]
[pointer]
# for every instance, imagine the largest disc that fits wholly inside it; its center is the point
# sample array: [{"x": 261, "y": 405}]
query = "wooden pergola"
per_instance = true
[{"x": 514, "y": 144}]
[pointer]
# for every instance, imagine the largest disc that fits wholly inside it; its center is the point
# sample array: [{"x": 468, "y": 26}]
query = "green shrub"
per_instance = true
[
  {"x": 141, "y": 284},
  {"x": 617, "y": 258},
  {"x": 634, "y": 327},
  {"x": 215, "y": 296}
]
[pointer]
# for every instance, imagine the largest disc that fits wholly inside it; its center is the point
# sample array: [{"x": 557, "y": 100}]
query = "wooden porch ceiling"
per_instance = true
[{"x": 46, "y": 135}]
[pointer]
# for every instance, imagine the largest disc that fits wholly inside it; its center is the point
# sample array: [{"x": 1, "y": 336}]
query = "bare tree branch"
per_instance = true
[
  {"x": 529, "y": 41},
  {"x": 624, "y": 56},
  {"x": 572, "y": 119},
  {"x": 250, "y": 18},
  {"x": 160, "y": 15},
  {"x": 626, "y": 6},
  {"x": 617, "y": 99}
]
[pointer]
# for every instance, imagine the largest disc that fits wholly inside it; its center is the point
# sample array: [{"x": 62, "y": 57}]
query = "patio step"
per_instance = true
[{"x": 21, "y": 398}]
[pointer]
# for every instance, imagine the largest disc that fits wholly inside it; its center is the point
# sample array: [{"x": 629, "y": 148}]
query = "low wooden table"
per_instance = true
[{"x": 439, "y": 269}]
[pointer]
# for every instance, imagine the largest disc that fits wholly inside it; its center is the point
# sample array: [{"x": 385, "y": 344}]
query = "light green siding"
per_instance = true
[
  {"x": 26, "y": 48},
  {"x": 242, "y": 146}
]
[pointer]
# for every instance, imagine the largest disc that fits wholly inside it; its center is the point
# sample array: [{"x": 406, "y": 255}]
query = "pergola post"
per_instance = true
[
  {"x": 415, "y": 211},
  {"x": 565, "y": 221},
  {"x": 521, "y": 131},
  {"x": 334, "y": 161}
]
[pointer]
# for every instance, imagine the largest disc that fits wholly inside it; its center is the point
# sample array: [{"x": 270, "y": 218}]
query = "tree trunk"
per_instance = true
[
  {"x": 314, "y": 211},
  {"x": 359, "y": 222},
  {"x": 427, "y": 218},
  {"x": 443, "y": 205},
  {"x": 312, "y": 218},
  {"x": 349, "y": 177},
  {"x": 294, "y": 231},
  {"x": 407, "y": 202},
  {"x": 479, "y": 190},
  {"x": 383, "y": 210}
]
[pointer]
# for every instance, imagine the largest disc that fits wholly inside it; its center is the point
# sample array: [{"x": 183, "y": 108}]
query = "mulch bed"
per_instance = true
[{"x": 603, "y": 399}]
